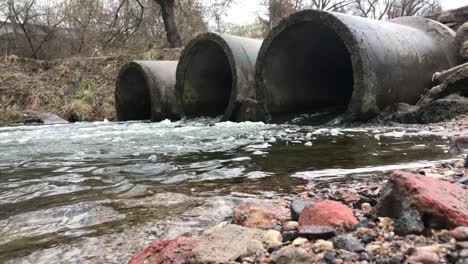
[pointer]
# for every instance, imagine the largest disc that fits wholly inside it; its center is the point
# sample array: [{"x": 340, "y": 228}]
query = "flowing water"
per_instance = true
[{"x": 96, "y": 192}]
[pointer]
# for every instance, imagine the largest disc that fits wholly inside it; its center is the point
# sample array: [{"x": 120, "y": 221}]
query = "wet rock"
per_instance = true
[
  {"x": 460, "y": 233},
  {"x": 176, "y": 250},
  {"x": 48, "y": 118},
  {"x": 459, "y": 144},
  {"x": 424, "y": 256},
  {"x": 322, "y": 245},
  {"x": 223, "y": 243},
  {"x": 260, "y": 214},
  {"x": 297, "y": 206},
  {"x": 409, "y": 223},
  {"x": 348, "y": 243},
  {"x": 327, "y": 213},
  {"x": 462, "y": 40},
  {"x": 290, "y": 225},
  {"x": 443, "y": 204},
  {"x": 272, "y": 238},
  {"x": 436, "y": 111},
  {"x": 315, "y": 232},
  {"x": 289, "y": 255}
]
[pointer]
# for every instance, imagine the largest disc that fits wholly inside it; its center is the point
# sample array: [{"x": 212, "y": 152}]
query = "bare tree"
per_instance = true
[
  {"x": 375, "y": 9},
  {"x": 277, "y": 9},
  {"x": 167, "y": 10},
  {"x": 38, "y": 23},
  {"x": 330, "y": 5},
  {"x": 413, "y": 8},
  {"x": 216, "y": 10}
]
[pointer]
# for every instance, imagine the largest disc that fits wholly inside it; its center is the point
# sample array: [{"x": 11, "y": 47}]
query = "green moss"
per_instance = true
[{"x": 189, "y": 95}]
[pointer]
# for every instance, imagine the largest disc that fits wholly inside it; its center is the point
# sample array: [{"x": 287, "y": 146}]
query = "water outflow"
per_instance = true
[
  {"x": 315, "y": 59},
  {"x": 146, "y": 90},
  {"x": 215, "y": 76}
]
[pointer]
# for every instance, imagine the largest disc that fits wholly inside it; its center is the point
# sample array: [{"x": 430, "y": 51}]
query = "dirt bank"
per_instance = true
[{"x": 73, "y": 88}]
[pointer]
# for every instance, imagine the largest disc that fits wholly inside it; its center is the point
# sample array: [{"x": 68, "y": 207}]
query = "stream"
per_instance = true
[{"x": 98, "y": 192}]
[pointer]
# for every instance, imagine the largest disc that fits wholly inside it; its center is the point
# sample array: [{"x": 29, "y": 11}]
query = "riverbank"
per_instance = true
[
  {"x": 413, "y": 216},
  {"x": 76, "y": 89}
]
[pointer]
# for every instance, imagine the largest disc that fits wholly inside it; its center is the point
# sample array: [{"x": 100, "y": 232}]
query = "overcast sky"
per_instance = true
[{"x": 245, "y": 11}]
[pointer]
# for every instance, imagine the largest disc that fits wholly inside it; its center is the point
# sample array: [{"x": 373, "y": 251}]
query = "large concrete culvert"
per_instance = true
[
  {"x": 215, "y": 76},
  {"x": 315, "y": 59},
  {"x": 145, "y": 90}
]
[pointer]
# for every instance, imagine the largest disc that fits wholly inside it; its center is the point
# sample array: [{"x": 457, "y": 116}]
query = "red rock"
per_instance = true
[
  {"x": 347, "y": 196},
  {"x": 327, "y": 213},
  {"x": 442, "y": 203},
  {"x": 260, "y": 214},
  {"x": 174, "y": 251}
]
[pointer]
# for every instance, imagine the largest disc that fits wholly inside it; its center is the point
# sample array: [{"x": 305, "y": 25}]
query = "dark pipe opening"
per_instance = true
[
  {"x": 307, "y": 67},
  {"x": 207, "y": 81},
  {"x": 133, "y": 96}
]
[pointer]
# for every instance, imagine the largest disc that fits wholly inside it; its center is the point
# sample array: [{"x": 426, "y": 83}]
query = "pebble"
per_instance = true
[
  {"x": 348, "y": 243},
  {"x": 460, "y": 164},
  {"x": 299, "y": 241},
  {"x": 273, "y": 237},
  {"x": 314, "y": 232},
  {"x": 366, "y": 207},
  {"x": 290, "y": 225},
  {"x": 460, "y": 233},
  {"x": 153, "y": 158},
  {"x": 424, "y": 257},
  {"x": 322, "y": 245},
  {"x": 363, "y": 230},
  {"x": 372, "y": 247},
  {"x": 308, "y": 144}
]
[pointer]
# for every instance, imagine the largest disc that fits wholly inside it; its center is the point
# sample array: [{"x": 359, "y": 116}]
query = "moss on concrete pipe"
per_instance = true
[
  {"x": 145, "y": 90},
  {"x": 215, "y": 77},
  {"x": 316, "y": 59}
]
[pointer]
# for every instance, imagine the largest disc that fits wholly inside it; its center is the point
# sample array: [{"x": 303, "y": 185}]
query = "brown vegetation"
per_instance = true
[{"x": 74, "y": 88}]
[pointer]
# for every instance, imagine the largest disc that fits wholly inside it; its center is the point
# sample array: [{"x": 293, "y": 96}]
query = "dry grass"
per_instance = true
[{"x": 73, "y": 88}]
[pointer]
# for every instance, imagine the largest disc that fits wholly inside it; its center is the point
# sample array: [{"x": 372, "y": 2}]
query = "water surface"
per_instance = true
[{"x": 96, "y": 192}]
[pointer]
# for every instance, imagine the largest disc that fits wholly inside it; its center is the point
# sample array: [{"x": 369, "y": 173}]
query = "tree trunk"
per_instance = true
[{"x": 167, "y": 9}]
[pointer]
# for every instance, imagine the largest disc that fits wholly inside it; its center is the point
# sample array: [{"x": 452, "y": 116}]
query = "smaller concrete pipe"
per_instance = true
[
  {"x": 146, "y": 90},
  {"x": 316, "y": 59},
  {"x": 215, "y": 76}
]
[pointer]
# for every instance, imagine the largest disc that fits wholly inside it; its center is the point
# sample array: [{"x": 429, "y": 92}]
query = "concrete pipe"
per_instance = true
[
  {"x": 315, "y": 59},
  {"x": 145, "y": 90},
  {"x": 215, "y": 77}
]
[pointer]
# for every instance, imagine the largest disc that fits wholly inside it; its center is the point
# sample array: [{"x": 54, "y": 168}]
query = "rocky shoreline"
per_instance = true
[{"x": 418, "y": 216}]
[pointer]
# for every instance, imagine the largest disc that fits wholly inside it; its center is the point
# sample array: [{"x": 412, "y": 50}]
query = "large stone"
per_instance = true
[
  {"x": 289, "y": 255},
  {"x": 48, "y": 118},
  {"x": 174, "y": 251},
  {"x": 436, "y": 111},
  {"x": 328, "y": 213},
  {"x": 409, "y": 222},
  {"x": 442, "y": 204},
  {"x": 462, "y": 40},
  {"x": 260, "y": 214},
  {"x": 224, "y": 243},
  {"x": 453, "y": 18},
  {"x": 297, "y": 206},
  {"x": 459, "y": 144}
]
